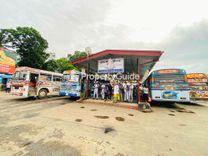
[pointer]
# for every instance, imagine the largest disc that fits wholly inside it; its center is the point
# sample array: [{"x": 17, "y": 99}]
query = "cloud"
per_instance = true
[
  {"x": 71, "y": 25},
  {"x": 66, "y": 24},
  {"x": 186, "y": 47}
]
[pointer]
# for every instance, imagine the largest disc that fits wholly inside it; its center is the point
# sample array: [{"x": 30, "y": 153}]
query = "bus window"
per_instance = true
[
  {"x": 57, "y": 79},
  {"x": 33, "y": 78},
  {"x": 44, "y": 77},
  {"x": 21, "y": 76}
]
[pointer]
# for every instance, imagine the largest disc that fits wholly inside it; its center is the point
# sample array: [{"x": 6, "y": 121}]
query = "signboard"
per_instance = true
[
  {"x": 168, "y": 71},
  {"x": 115, "y": 65},
  {"x": 7, "y": 61}
]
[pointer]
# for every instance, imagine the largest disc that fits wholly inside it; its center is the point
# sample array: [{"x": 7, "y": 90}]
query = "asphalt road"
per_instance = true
[{"x": 59, "y": 126}]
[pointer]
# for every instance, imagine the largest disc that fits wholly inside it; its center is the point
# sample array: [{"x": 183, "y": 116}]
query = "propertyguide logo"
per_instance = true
[{"x": 118, "y": 76}]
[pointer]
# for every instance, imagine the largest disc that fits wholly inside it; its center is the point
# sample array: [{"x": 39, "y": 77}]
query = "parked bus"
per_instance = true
[
  {"x": 71, "y": 84},
  {"x": 198, "y": 83},
  {"x": 168, "y": 85},
  {"x": 31, "y": 82}
]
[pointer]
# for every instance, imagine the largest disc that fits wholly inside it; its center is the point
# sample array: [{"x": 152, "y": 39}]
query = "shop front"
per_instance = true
[{"x": 117, "y": 71}]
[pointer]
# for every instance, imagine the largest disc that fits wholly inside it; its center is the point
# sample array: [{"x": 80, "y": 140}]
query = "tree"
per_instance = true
[
  {"x": 59, "y": 65},
  {"x": 51, "y": 65},
  {"x": 29, "y": 44},
  {"x": 76, "y": 55},
  {"x": 63, "y": 64}
]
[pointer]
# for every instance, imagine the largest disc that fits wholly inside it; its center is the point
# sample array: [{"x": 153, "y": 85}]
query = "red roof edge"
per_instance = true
[{"x": 120, "y": 52}]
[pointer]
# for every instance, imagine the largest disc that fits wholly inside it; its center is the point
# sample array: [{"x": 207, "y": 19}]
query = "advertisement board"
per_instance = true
[
  {"x": 115, "y": 65},
  {"x": 198, "y": 83},
  {"x": 7, "y": 61}
]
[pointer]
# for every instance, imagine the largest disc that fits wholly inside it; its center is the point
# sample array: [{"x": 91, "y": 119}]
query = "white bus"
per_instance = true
[{"x": 31, "y": 82}]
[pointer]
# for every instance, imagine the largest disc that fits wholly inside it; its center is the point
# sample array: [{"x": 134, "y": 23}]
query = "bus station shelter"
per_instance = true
[{"x": 134, "y": 61}]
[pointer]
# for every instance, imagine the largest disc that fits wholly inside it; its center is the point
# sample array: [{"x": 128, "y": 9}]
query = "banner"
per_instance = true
[
  {"x": 7, "y": 61},
  {"x": 115, "y": 65}
]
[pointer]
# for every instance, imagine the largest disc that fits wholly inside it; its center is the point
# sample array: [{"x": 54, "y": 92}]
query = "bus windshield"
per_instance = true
[
  {"x": 71, "y": 78},
  {"x": 164, "y": 79},
  {"x": 21, "y": 76}
]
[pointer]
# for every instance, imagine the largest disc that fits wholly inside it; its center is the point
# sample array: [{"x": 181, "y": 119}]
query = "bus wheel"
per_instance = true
[{"x": 42, "y": 93}]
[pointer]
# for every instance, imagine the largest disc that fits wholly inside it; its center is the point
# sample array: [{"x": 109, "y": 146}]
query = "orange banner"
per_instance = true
[{"x": 7, "y": 63}]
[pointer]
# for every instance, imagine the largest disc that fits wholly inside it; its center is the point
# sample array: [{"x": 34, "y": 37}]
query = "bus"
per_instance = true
[
  {"x": 198, "y": 83},
  {"x": 31, "y": 82},
  {"x": 168, "y": 85},
  {"x": 71, "y": 84}
]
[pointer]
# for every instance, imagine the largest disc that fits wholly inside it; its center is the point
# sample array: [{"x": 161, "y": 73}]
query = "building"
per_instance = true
[
  {"x": 120, "y": 61},
  {"x": 8, "y": 60}
]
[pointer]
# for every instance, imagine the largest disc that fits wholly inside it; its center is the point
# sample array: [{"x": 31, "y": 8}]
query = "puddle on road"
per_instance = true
[
  {"x": 27, "y": 143},
  {"x": 171, "y": 114},
  {"x": 108, "y": 129},
  {"x": 172, "y": 111},
  {"x": 82, "y": 107},
  {"x": 101, "y": 117},
  {"x": 93, "y": 110},
  {"x": 185, "y": 111},
  {"x": 131, "y": 114},
  {"x": 120, "y": 154},
  {"x": 119, "y": 119},
  {"x": 78, "y": 120}
]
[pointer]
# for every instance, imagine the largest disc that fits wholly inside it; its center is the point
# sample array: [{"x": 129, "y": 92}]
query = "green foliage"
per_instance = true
[
  {"x": 51, "y": 65},
  {"x": 63, "y": 64},
  {"x": 59, "y": 65},
  {"x": 76, "y": 55},
  {"x": 29, "y": 44}
]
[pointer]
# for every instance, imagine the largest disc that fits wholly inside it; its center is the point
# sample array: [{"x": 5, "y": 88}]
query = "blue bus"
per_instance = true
[
  {"x": 71, "y": 85},
  {"x": 168, "y": 85}
]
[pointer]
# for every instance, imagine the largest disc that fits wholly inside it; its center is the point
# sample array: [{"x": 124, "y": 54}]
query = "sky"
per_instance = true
[{"x": 177, "y": 27}]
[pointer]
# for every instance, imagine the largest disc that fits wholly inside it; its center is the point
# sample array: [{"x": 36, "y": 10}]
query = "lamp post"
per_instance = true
[{"x": 88, "y": 51}]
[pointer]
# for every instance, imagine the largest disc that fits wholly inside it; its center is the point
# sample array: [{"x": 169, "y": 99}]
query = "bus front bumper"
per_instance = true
[{"x": 69, "y": 94}]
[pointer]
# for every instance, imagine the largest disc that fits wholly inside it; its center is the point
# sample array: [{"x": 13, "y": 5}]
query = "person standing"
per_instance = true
[
  {"x": 8, "y": 86},
  {"x": 116, "y": 92},
  {"x": 121, "y": 91},
  {"x": 128, "y": 92},
  {"x": 103, "y": 91},
  {"x": 109, "y": 91},
  {"x": 125, "y": 91},
  {"x": 106, "y": 91},
  {"x": 131, "y": 92},
  {"x": 95, "y": 94}
]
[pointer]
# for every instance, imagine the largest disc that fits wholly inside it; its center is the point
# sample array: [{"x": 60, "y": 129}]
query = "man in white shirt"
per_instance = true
[
  {"x": 131, "y": 90},
  {"x": 103, "y": 91},
  {"x": 95, "y": 94},
  {"x": 125, "y": 91}
]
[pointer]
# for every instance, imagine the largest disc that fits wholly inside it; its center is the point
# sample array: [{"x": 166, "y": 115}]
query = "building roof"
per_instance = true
[
  {"x": 132, "y": 58},
  {"x": 152, "y": 53}
]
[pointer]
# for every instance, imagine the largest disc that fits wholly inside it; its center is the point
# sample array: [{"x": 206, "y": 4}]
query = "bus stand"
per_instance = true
[{"x": 134, "y": 62}]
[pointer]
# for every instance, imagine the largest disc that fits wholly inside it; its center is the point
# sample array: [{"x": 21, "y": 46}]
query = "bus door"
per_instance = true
[{"x": 32, "y": 90}]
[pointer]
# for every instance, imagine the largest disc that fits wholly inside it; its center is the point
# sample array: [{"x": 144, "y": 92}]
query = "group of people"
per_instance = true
[
  {"x": 125, "y": 91},
  {"x": 104, "y": 90}
]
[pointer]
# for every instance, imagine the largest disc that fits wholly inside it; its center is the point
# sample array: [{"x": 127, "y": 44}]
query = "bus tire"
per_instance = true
[{"x": 42, "y": 93}]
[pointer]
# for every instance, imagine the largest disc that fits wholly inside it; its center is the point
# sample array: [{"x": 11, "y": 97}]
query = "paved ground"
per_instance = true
[{"x": 58, "y": 126}]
